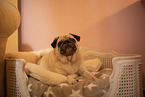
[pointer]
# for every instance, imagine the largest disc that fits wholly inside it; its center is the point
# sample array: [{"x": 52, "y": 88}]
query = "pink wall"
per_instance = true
[{"x": 109, "y": 25}]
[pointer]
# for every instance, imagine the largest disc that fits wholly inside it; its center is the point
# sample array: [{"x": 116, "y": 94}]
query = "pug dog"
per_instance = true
[{"x": 63, "y": 64}]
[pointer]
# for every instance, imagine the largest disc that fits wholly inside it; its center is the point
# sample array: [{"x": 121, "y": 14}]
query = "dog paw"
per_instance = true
[{"x": 72, "y": 79}]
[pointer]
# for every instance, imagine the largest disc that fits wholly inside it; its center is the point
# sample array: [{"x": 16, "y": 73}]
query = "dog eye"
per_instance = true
[
  {"x": 59, "y": 43},
  {"x": 73, "y": 40}
]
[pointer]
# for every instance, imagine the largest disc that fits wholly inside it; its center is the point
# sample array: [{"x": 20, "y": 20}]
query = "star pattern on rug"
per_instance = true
[
  {"x": 29, "y": 87},
  {"x": 63, "y": 84},
  {"x": 90, "y": 86},
  {"x": 48, "y": 92},
  {"x": 75, "y": 93},
  {"x": 104, "y": 76}
]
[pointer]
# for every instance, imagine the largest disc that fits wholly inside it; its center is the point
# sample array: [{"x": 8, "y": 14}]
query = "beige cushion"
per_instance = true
[
  {"x": 27, "y": 56},
  {"x": 93, "y": 64}
]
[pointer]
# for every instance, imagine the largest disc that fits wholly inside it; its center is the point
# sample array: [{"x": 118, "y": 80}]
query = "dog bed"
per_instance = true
[
  {"x": 125, "y": 79},
  {"x": 82, "y": 88}
]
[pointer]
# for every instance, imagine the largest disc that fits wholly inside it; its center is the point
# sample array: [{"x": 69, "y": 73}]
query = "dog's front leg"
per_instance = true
[{"x": 85, "y": 73}]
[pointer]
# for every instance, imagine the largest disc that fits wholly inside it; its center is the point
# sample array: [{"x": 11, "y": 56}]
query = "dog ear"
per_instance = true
[
  {"x": 53, "y": 44},
  {"x": 76, "y": 37}
]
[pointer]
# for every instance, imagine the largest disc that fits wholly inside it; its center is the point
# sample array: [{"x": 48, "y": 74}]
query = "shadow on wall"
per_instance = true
[
  {"x": 126, "y": 29},
  {"x": 123, "y": 32},
  {"x": 25, "y": 47}
]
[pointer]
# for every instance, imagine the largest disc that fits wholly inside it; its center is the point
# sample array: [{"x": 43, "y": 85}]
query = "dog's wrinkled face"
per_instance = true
[{"x": 66, "y": 45}]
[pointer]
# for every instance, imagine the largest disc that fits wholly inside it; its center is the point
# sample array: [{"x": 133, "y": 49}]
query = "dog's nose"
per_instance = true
[{"x": 69, "y": 50}]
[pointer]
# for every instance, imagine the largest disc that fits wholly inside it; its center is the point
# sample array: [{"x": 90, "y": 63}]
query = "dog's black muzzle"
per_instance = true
[{"x": 68, "y": 48}]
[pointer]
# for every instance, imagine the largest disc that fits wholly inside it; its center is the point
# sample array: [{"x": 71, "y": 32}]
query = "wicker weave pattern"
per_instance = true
[
  {"x": 16, "y": 79},
  {"x": 11, "y": 82},
  {"x": 125, "y": 79},
  {"x": 106, "y": 60},
  {"x": 105, "y": 56}
]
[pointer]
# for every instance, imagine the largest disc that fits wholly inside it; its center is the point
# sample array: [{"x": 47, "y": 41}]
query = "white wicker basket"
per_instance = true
[
  {"x": 125, "y": 81},
  {"x": 16, "y": 79}
]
